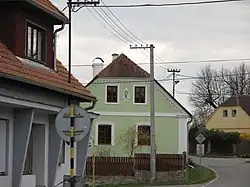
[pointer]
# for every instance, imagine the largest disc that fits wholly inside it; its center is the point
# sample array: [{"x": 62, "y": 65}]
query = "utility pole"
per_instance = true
[
  {"x": 152, "y": 110},
  {"x": 71, "y": 5},
  {"x": 174, "y": 71}
]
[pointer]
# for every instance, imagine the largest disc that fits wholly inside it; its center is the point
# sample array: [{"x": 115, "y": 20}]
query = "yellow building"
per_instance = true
[{"x": 232, "y": 116}]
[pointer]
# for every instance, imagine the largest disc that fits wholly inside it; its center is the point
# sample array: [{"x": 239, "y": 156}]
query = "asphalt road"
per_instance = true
[{"x": 232, "y": 172}]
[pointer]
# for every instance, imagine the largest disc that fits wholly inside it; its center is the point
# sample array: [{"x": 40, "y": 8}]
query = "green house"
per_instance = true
[{"x": 123, "y": 127}]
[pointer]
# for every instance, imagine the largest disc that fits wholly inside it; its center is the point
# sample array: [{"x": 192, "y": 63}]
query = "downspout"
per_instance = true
[
  {"x": 54, "y": 37},
  {"x": 92, "y": 106},
  {"x": 187, "y": 155}
]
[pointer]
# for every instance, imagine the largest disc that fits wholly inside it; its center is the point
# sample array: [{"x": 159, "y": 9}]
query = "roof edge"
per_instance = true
[
  {"x": 60, "y": 17},
  {"x": 85, "y": 97},
  {"x": 175, "y": 100}
]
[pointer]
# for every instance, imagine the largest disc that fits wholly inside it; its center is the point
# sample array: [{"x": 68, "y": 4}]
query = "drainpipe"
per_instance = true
[
  {"x": 92, "y": 106},
  {"x": 187, "y": 155},
  {"x": 54, "y": 37}
]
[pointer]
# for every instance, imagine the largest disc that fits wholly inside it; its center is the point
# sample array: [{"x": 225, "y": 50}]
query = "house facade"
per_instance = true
[
  {"x": 123, "y": 95},
  {"x": 34, "y": 87},
  {"x": 232, "y": 116}
]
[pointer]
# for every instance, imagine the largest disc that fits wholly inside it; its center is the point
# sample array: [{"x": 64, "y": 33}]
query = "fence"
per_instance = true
[{"x": 123, "y": 166}]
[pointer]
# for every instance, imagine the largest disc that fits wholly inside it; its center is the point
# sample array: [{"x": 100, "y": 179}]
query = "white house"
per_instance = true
[{"x": 34, "y": 87}]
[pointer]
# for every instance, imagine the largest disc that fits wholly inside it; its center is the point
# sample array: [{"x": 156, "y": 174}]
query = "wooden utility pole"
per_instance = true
[
  {"x": 152, "y": 110},
  {"x": 174, "y": 71}
]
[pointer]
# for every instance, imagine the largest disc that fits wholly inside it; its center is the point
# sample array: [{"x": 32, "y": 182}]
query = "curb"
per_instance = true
[{"x": 212, "y": 181}]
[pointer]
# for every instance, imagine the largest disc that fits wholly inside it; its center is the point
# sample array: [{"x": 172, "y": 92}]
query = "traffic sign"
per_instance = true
[
  {"x": 82, "y": 123},
  {"x": 200, "y": 138}
]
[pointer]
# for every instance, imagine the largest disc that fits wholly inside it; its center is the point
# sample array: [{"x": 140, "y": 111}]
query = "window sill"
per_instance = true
[
  {"x": 110, "y": 103},
  {"x": 37, "y": 61},
  {"x": 139, "y": 103}
]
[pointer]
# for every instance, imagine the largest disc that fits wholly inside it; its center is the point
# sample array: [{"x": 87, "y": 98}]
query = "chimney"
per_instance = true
[
  {"x": 97, "y": 66},
  {"x": 114, "y": 56}
]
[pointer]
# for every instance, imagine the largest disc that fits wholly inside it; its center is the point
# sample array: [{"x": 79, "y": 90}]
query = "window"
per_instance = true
[
  {"x": 233, "y": 113},
  {"x": 104, "y": 134},
  {"x": 29, "y": 157},
  {"x": 4, "y": 146},
  {"x": 143, "y": 135},
  {"x": 139, "y": 94},
  {"x": 112, "y": 94},
  {"x": 224, "y": 113},
  {"x": 35, "y": 43},
  {"x": 62, "y": 153}
]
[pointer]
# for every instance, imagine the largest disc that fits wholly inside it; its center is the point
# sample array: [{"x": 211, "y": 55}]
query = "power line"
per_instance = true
[
  {"x": 166, "y": 79},
  {"x": 164, "y": 4},
  {"x": 115, "y": 35},
  {"x": 125, "y": 37},
  {"x": 183, "y": 62}
]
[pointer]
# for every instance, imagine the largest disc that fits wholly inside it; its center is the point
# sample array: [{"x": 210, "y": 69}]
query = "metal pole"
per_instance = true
[
  {"x": 72, "y": 147},
  {"x": 200, "y": 153},
  {"x": 69, "y": 55},
  {"x": 173, "y": 83},
  {"x": 152, "y": 115}
]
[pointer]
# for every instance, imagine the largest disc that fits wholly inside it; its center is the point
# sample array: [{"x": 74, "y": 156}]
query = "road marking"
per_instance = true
[{"x": 212, "y": 181}]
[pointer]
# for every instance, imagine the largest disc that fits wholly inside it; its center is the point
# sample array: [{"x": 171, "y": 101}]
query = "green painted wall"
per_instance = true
[
  {"x": 162, "y": 105},
  {"x": 166, "y": 127},
  {"x": 166, "y": 135}
]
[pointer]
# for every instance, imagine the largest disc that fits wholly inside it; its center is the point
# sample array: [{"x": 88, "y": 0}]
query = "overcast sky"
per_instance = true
[{"x": 219, "y": 31}]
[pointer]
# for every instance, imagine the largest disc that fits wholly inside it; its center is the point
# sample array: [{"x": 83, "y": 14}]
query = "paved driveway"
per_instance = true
[{"x": 232, "y": 172}]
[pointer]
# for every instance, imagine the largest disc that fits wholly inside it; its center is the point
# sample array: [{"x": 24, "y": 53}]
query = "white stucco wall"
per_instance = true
[
  {"x": 183, "y": 135},
  {"x": 27, "y": 180}
]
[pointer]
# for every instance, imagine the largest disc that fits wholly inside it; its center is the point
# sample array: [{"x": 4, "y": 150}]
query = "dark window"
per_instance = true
[
  {"x": 35, "y": 43},
  {"x": 62, "y": 153},
  {"x": 104, "y": 134},
  {"x": 224, "y": 113},
  {"x": 29, "y": 157},
  {"x": 234, "y": 113},
  {"x": 143, "y": 135},
  {"x": 112, "y": 94},
  {"x": 140, "y": 96}
]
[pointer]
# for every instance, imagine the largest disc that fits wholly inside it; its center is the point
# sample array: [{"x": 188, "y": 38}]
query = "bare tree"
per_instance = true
[
  {"x": 207, "y": 91},
  {"x": 214, "y": 87},
  {"x": 237, "y": 80}
]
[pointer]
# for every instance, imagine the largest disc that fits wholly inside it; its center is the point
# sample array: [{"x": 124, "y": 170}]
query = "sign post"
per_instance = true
[
  {"x": 200, "y": 138},
  {"x": 73, "y": 124}
]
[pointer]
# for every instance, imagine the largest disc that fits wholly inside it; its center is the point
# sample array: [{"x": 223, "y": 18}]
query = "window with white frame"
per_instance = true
[
  {"x": 112, "y": 94},
  {"x": 104, "y": 135},
  {"x": 140, "y": 94},
  {"x": 143, "y": 135},
  {"x": 4, "y": 146}
]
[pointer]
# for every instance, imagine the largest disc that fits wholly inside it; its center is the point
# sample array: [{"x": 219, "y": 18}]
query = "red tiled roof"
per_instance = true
[
  {"x": 48, "y": 5},
  {"x": 11, "y": 67},
  {"x": 122, "y": 66}
]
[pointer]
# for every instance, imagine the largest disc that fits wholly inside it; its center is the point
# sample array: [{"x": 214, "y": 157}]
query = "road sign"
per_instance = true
[
  {"x": 82, "y": 123},
  {"x": 200, "y": 149},
  {"x": 200, "y": 138}
]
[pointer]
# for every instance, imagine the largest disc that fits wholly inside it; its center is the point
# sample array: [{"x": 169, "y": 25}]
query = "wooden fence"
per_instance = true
[{"x": 123, "y": 166}]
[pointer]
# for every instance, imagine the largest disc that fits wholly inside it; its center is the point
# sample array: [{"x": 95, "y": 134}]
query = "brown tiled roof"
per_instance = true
[
  {"x": 244, "y": 102},
  {"x": 12, "y": 68},
  {"x": 122, "y": 66}
]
